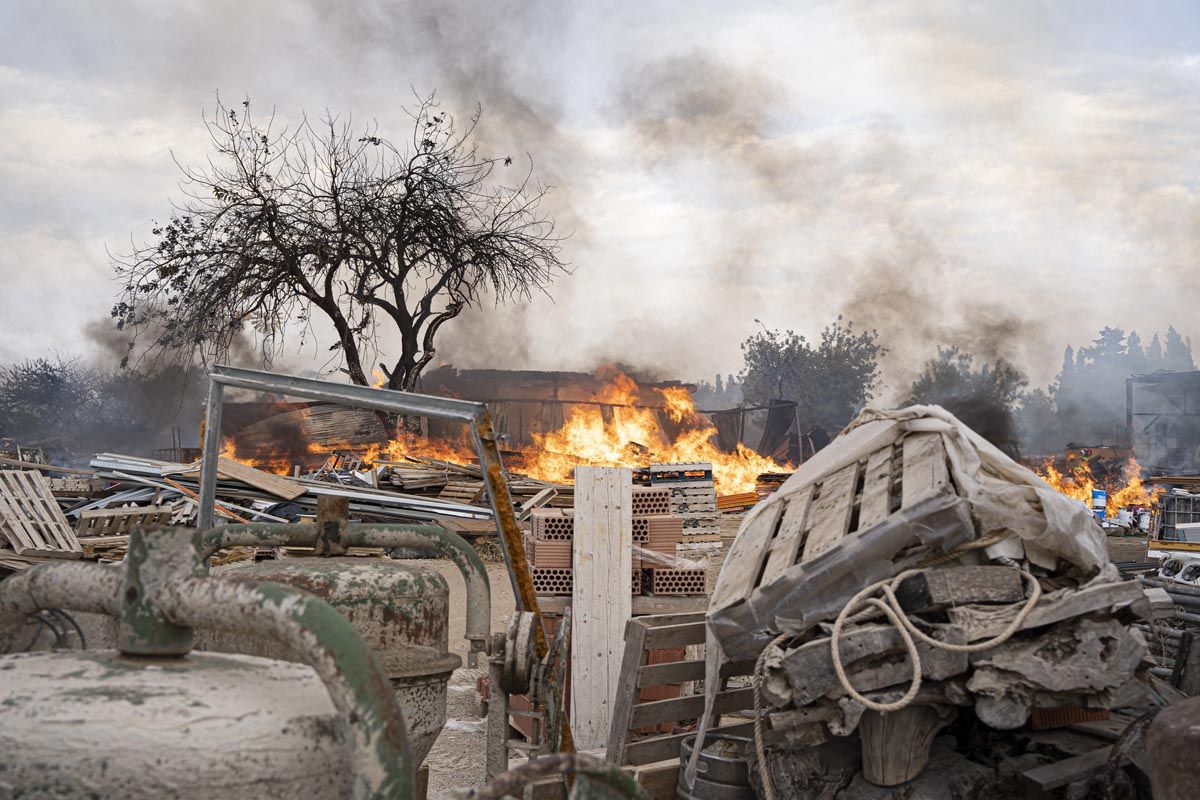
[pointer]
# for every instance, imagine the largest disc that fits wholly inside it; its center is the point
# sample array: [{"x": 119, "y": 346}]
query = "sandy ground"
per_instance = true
[{"x": 457, "y": 758}]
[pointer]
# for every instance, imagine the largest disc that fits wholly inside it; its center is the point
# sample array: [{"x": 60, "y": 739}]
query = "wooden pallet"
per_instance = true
[
  {"x": 117, "y": 521},
  {"x": 630, "y": 714},
  {"x": 783, "y": 535},
  {"x": 461, "y": 491},
  {"x": 30, "y": 518}
]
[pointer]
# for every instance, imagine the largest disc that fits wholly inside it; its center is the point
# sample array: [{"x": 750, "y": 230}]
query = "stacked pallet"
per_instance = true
[{"x": 693, "y": 497}]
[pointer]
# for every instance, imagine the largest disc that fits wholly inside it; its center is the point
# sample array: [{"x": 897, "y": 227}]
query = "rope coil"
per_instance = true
[{"x": 890, "y": 607}]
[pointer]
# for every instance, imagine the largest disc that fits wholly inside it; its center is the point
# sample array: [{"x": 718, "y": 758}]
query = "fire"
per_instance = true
[
  {"x": 634, "y": 434},
  {"x": 1077, "y": 482}
]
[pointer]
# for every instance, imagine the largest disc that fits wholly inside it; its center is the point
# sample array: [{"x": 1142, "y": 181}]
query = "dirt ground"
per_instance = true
[{"x": 457, "y": 757}]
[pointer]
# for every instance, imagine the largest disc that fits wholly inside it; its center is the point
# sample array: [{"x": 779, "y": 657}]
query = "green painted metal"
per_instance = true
[
  {"x": 145, "y": 631},
  {"x": 435, "y": 537}
]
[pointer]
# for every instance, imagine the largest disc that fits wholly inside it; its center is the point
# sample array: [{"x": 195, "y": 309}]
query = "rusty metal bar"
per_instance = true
[{"x": 387, "y": 400}]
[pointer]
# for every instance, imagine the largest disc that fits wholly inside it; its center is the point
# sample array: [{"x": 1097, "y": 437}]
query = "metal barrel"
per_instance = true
[{"x": 718, "y": 776}]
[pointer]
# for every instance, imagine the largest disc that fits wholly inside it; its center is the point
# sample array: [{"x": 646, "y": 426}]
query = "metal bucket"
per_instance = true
[{"x": 718, "y": 777}]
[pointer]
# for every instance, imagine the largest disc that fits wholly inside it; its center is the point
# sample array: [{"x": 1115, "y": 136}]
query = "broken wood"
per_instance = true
[
  {"x": 15, "y": 462},
  {"x": 1052, "y": 776},
  {"x": 984, "y": 622},
  {"x": 895, "y": 746},
  {"x": 874, "y": 658},
  {"x": 953, "y": 586}
]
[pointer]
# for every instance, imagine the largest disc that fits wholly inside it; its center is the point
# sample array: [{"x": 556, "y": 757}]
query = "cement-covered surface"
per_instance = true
[{"x": 94, "y": 724}]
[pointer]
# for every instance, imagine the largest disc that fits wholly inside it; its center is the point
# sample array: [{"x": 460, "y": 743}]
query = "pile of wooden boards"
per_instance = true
[{"x": 909, "y": 513}]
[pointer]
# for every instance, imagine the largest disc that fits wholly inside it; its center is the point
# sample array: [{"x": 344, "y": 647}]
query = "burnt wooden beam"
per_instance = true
[{"x": 953, "y": 586}]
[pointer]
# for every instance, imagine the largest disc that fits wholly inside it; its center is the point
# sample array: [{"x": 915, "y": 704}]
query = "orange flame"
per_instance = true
[
  {"x": 632, "y": 435},
  {"x": 1077, "y": 482}
]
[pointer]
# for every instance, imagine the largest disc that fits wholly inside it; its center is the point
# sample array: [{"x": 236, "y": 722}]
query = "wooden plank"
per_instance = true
[
  {"x": 681, "y": 671},
  {"x": 675, "y": 635},
  {"x": 642, "y": 604},
  {"x": 1051, "y": 776},
  {"x": 660, "y": 748},
  {"x": 877, "y": 489},
  {"x": 271, "y": 484},
  {"x": 13, "y": 462},
  {"x": 659, "y": 780},
  {"x": 690, "y": 707},
  {"x": 831, "y": 512},
  {"x": 601, "y": 602},
  {"x": 952, "y": 586},
  {"x": 627, "y": 689},
  {"x": 740, "y": 572},
  {"x": 925, "y": 473},
  {"x": 786, "y": 544}
]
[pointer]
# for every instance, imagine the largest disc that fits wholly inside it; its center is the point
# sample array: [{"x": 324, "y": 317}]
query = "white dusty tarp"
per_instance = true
[{"x": 1001, "y": 495}]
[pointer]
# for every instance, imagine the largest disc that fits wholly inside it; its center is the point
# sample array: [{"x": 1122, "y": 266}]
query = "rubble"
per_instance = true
[{"x": 911, "y": 577}]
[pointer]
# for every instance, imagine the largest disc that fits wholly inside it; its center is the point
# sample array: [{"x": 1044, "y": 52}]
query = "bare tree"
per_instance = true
[{"x": 282, "y": 228}]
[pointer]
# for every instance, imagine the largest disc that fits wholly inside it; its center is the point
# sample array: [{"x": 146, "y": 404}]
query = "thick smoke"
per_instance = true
[
  {"x": 787, "y": 164},
  {"x": 695, "y": 107}
]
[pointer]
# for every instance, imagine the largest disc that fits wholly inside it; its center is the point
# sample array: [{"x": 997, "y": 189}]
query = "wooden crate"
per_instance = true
[{"x": 643, "y": 635}]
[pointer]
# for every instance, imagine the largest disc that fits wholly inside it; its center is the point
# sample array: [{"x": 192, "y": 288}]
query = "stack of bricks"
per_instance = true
[
  {"x": 656, "y": 527},
  {"x": 548, "y": 547},
  {"x": 693, "y": 499}
]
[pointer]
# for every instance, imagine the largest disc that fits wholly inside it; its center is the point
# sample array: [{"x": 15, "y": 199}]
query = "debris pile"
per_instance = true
[
  {"x": 908, "y": 575},
  {"x": 53, "y": 512}
]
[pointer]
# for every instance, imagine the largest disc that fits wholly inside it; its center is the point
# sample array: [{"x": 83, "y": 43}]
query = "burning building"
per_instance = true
[{"x": 549, "y": 422}]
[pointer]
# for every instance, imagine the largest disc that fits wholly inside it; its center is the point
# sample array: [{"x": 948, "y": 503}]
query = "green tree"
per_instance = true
[
  {"x": 984, "y": 398},
  {"x": 1177, "y": 352},
  {"x": 830, "y": 380}
]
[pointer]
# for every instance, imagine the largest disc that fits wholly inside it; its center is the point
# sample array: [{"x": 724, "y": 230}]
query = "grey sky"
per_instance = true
[{"x": 1007, "y": 176}]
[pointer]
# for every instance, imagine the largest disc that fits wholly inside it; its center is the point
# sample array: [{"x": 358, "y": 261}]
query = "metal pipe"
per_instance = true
[
  {"x": 257, "y": 534},
  {"x": 434, "y": 537},
  {"x": 387, "y": 400},
  {"x": 73, "y": 585},
  {"x": 210, "y": 455}
]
